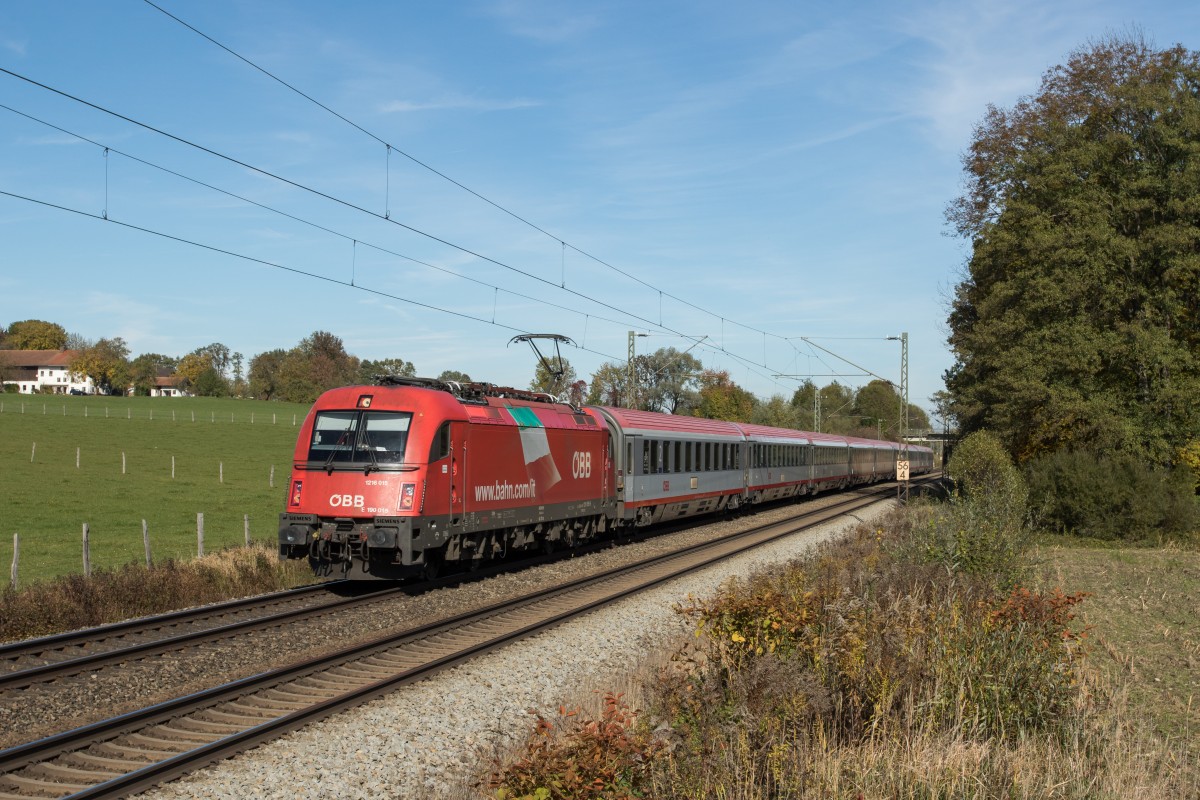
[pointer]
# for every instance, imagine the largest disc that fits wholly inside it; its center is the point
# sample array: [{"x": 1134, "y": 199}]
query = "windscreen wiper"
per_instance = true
[
  {"x": 337, "y": 448},
  {"x": 374, "y": 465}
]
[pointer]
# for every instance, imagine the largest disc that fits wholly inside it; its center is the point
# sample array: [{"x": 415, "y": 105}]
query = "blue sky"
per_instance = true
[{"x": 752, "y": 173}]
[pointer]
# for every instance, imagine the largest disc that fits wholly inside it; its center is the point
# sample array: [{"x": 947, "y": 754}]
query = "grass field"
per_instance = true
[
  {"x": 46, "y": 499},
  {"x": 1145, "y": 618}
]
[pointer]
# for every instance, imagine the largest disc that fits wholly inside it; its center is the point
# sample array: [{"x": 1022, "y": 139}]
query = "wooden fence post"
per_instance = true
[
  {"x": 122, "y": 462},
  {"x": 200, "y": 535},
  {"x": 220, "y": 471},
  {"x": 87, "y": 552},
  {"x": 76, "y": 458},
  {"x": 146, "y": 544},
  {"x": 172, "y": 467},
  {"x": 16, "y": 559},
  {"x": 272, "y": 478},
  {"x": 246, "y": 525},
  {"x": 33, "y": 452}
]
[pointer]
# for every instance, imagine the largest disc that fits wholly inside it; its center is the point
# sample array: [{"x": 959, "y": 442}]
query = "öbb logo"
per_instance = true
[
  {"x": 581, "y": 464},
  {"x": 346, "y": 500}
]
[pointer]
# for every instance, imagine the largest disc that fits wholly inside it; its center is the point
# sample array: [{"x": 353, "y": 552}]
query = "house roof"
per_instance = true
[
  {"x": 37, "y": 358},
  {"x": 168, "y": 381}
]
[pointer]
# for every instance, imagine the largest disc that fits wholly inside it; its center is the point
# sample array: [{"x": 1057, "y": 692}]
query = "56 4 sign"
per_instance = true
[{"x": 902, "y": 469}]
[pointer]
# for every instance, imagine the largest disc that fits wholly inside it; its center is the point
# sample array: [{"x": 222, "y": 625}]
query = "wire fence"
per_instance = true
[{"x": 105, "y": 411}]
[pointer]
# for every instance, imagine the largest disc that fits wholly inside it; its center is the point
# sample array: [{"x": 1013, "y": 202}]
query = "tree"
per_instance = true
[
  {"x": 560, "y": 387},
  {"x": 779, "y": 413},
  {"x": 455, "y": 376},
  {"x": 264, "y": 374},
  {"x": 218, "y": 357},
  {"x": 369, "y": 370},
  {"x": 210, "y": 383},
  {"x": 106, "y": 363},
  {"x": 667, "y": 381},
  {"x": 1078, "y": 322},
  {"x": 609, "y": 385},
  {"x": 878, "y": 405},
  {"x": 77, "y": 341},
  {"x": 191, "y": 366},
  {"x": 721, "y": 398},
  {"x": 318, "y": 363},
  {"x": 238, "y": 387},
  {"x": 144, "y": 371},
  {"x": 35, "y": 334},
  {"x": 804, "y": 401}
]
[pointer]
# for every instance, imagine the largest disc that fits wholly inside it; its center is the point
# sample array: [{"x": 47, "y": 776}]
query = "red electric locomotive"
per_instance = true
[{"x": 392, "y": 480}]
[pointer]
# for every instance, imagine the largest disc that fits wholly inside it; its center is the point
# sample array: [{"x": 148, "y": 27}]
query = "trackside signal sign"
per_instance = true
[{"x": 902, "y": 469}]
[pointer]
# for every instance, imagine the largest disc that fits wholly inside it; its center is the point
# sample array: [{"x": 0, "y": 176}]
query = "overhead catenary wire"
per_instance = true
[
  {"x": 108, "y": 149},
  {"x": 749, "y": 364},
  {"x": 443, "y": 175},
  {"x": 274, "y": 265}
]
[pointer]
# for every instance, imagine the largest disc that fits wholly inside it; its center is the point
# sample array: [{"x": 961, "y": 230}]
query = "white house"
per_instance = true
[
  {"x": 35, "y": 371},
  {"x": 169, "y": 386}
]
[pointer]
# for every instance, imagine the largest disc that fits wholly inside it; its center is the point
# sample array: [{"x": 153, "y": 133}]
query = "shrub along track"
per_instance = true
[{"x": 131, "y": 752}]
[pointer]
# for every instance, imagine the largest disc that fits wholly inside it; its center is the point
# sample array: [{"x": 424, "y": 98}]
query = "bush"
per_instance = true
[
  {"x": 1112, "y": 496},
  {"x": 606, "y": 758},
  {"x": 855, "y": 633},
  {"x": 982, "y": 530},
  {"x": 72, "y": 602}
]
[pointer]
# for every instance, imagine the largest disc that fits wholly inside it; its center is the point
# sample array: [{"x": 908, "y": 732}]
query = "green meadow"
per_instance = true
[{"x": 223, "y": 450}]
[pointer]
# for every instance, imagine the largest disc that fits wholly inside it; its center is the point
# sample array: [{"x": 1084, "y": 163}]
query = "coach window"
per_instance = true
[
  {"x": 647, "y": 464},
  {"x": 660, "y": 457},
  {"x": 440, "y": 448}
]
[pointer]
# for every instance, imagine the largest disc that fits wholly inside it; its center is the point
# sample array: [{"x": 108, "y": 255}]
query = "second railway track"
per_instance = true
[{"x": 137, "y": 750}]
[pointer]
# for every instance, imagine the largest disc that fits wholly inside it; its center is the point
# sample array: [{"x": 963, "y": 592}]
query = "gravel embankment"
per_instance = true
[{"x": 432, "y": 738}]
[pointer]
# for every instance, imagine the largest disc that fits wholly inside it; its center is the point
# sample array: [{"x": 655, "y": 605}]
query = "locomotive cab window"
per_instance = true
[
  {"x": 440, "y": 448},
  {"x": 361, "y": 438}
]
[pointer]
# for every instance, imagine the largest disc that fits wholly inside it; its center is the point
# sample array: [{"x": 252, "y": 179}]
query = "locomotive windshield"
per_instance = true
[{"x": 369, "y": 439}]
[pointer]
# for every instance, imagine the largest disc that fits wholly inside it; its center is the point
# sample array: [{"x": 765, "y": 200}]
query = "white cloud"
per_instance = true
[
  {"x": 546, "y": 22},
  {"x": 983, "y": 52},
  {"x": 456, "y": 102}
]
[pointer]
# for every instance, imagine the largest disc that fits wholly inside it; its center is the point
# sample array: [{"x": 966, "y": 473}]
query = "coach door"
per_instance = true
[{"x": 633, "y": 471}]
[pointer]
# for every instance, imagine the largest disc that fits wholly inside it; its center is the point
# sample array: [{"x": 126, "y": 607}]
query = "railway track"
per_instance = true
[
  {"x": 49, "y": 658},
  {"x": 137, "y": 750}
]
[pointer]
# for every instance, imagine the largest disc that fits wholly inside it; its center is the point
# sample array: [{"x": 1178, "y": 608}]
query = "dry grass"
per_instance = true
[
  {"x": 72, "y": 602},
  {"x": 1145, "y": 621},
  {"x": 852, "y": 675}
]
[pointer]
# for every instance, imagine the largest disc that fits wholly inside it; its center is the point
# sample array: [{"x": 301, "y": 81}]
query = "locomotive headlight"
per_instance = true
[
  {"x": 382, "y": 537},
  {"x": 291, "y": 535}
]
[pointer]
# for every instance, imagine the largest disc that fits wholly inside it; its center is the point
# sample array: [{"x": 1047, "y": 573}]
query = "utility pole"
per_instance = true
[
  {"x": 631, "y": 400},
  {"x": 817, "y": 409},
  {"x": 904, "y": 405}
]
